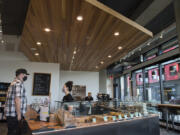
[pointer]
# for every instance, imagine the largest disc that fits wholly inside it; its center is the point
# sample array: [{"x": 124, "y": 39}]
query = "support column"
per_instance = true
[{"x": 177, "y": 15}]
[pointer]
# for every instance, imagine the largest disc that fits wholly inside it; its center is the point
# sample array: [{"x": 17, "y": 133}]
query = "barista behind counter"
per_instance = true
[
  {"x": 67, "y": 88},
  {"x": 89, "y": 97}
]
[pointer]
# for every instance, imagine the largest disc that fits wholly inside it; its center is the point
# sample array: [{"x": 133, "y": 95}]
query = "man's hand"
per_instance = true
[
  {"x": 19, "y": 117},
  {"x": 18, "y": 106}
]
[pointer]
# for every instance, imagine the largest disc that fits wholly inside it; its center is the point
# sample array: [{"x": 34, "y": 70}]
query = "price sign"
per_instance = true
[
  {"x": 132, "y": 116},
  {"x": 114, "y": 118},
  {"x": 136, "y": 114},
  {"x": 120, "y": 117},
  {"x": 94, "y": 120},
  {"x": 105, "y": 118},
  {"x": 125, "y": 116}
]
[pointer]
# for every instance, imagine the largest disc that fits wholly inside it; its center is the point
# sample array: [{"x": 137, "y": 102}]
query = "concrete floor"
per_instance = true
[{"x": 3, "y": 130}]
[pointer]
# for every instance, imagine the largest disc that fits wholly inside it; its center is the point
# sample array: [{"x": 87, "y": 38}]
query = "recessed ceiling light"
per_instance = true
[
  {"x": 74, "y": 52},
  {"x": 97, "y": 67},
  {"x": 116, "y": 33},
  {"x": 47, "y": 29},
  {"x": 36, "y": 54},
  {"x": 2, "y": 41},
  {"x": 38, "y": 43},
  {"x": 109, "y": 56},
  {"x": 79, "y": 18},
  {"x": 119, "y": 47},
  {"x": 102, "y": 62}
]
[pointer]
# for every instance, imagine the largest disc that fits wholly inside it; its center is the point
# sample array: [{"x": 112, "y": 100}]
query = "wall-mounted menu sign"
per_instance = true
[{"x": 41, "y": 84}]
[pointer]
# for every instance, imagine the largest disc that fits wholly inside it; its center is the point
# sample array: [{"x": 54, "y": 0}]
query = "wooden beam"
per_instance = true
[{"x": 119, "y": 16}]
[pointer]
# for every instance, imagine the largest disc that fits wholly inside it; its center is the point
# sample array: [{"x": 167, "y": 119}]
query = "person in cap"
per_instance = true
[{"x": 16, "y": 102}]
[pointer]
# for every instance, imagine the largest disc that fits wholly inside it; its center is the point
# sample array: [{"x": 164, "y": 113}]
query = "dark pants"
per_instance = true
[{"x": 16, "y": 127}]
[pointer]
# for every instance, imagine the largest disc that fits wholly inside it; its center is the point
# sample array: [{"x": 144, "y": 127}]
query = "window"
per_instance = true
[
  {"x": 138, "y": 85},
  {"x": 171, "y": 81},
  {"x": 152, "y": 85},
  {"x": 151, "y": 54},
  {"x": 169, "y": 46},
  {"x": 127, "y": 92}
]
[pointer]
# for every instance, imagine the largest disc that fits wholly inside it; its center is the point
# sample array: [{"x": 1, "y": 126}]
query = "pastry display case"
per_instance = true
[
  {"x": 71, "y": 114},
  {"x": 81, "y": 116}
]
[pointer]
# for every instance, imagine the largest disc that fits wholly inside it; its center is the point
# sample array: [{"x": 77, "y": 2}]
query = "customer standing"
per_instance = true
[
  {"x": 67, "y": 88},
  {"x": 16, "y": 103}
]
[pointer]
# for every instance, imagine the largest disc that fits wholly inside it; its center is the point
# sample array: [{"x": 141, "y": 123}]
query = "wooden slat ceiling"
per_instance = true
[{"x": 93, "y": 38}]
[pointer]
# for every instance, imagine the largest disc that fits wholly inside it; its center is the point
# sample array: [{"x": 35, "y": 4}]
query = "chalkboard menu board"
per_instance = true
[{"x": 41, "y": 84}]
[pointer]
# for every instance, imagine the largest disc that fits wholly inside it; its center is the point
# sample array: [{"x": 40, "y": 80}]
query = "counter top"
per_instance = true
[{"x": 173, "y": 106}]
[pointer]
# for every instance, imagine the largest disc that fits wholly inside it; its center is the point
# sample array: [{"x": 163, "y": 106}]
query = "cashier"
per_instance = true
[
  {"x": 67, "y": 88},
  {"x": 89, "y": 97}
]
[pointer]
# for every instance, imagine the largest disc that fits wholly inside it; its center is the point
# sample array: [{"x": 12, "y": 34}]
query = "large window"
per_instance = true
[
  {"x": 169, "y": 45},
  {"x": 122, "y": 87},
  {"x": 151, "y": 54},
  {"x": 152, "y": 85},
  {"x": 127, "y": 92},
  {"x": 171, "y": 80},
  {"x": 138, "y": 85}
]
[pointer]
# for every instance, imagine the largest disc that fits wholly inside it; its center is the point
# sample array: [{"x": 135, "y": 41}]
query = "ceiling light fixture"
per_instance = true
[
  {"x": 161, "y": 36},
  {"x": 109, "y": 56},
  {"x": 102, "y": 62},
  {"x": 47, "y": 29},
  {"x": 38, "y": 43},
  {"x": 79, "y": 18},
  {"x": 119, "y": 47},
  {"x": 74, "y": 52},
  {"x": 96, "y": 67},
  {"x": 2, "y": 41},
  {"x": 148, "y": 43},
  {"x": 116, "y": 33},
  {"x": 36, "y": 54}
]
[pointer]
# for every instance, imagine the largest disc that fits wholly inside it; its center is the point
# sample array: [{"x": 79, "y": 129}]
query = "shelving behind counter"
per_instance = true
[{"x": 3, "y": 91}]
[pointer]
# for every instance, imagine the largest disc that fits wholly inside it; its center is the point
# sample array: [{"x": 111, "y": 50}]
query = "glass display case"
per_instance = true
[{"x": 72, "y": 113}]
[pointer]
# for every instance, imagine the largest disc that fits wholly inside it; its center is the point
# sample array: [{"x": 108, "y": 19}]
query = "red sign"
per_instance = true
[
  {"x": 139, "y": 79},
  {"x": 172, "y": 48},
  {"x": 153, "y": 75},
  {"x": 171, "y": 71},
  {"x": 151, "y": 57}
]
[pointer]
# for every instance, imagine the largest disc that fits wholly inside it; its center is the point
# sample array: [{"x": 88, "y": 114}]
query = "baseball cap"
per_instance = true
[{"x": 21, "y": 70}]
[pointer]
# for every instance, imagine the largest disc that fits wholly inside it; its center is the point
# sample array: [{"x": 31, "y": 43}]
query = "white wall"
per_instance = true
[
  {"x": 89, "y": 79},
  {"x": 7, "y": 74},
  {"x": 12, "y": 56}
]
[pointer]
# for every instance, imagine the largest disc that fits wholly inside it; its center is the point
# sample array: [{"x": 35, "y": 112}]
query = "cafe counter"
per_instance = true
[{"x": 148, "y": 125}]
